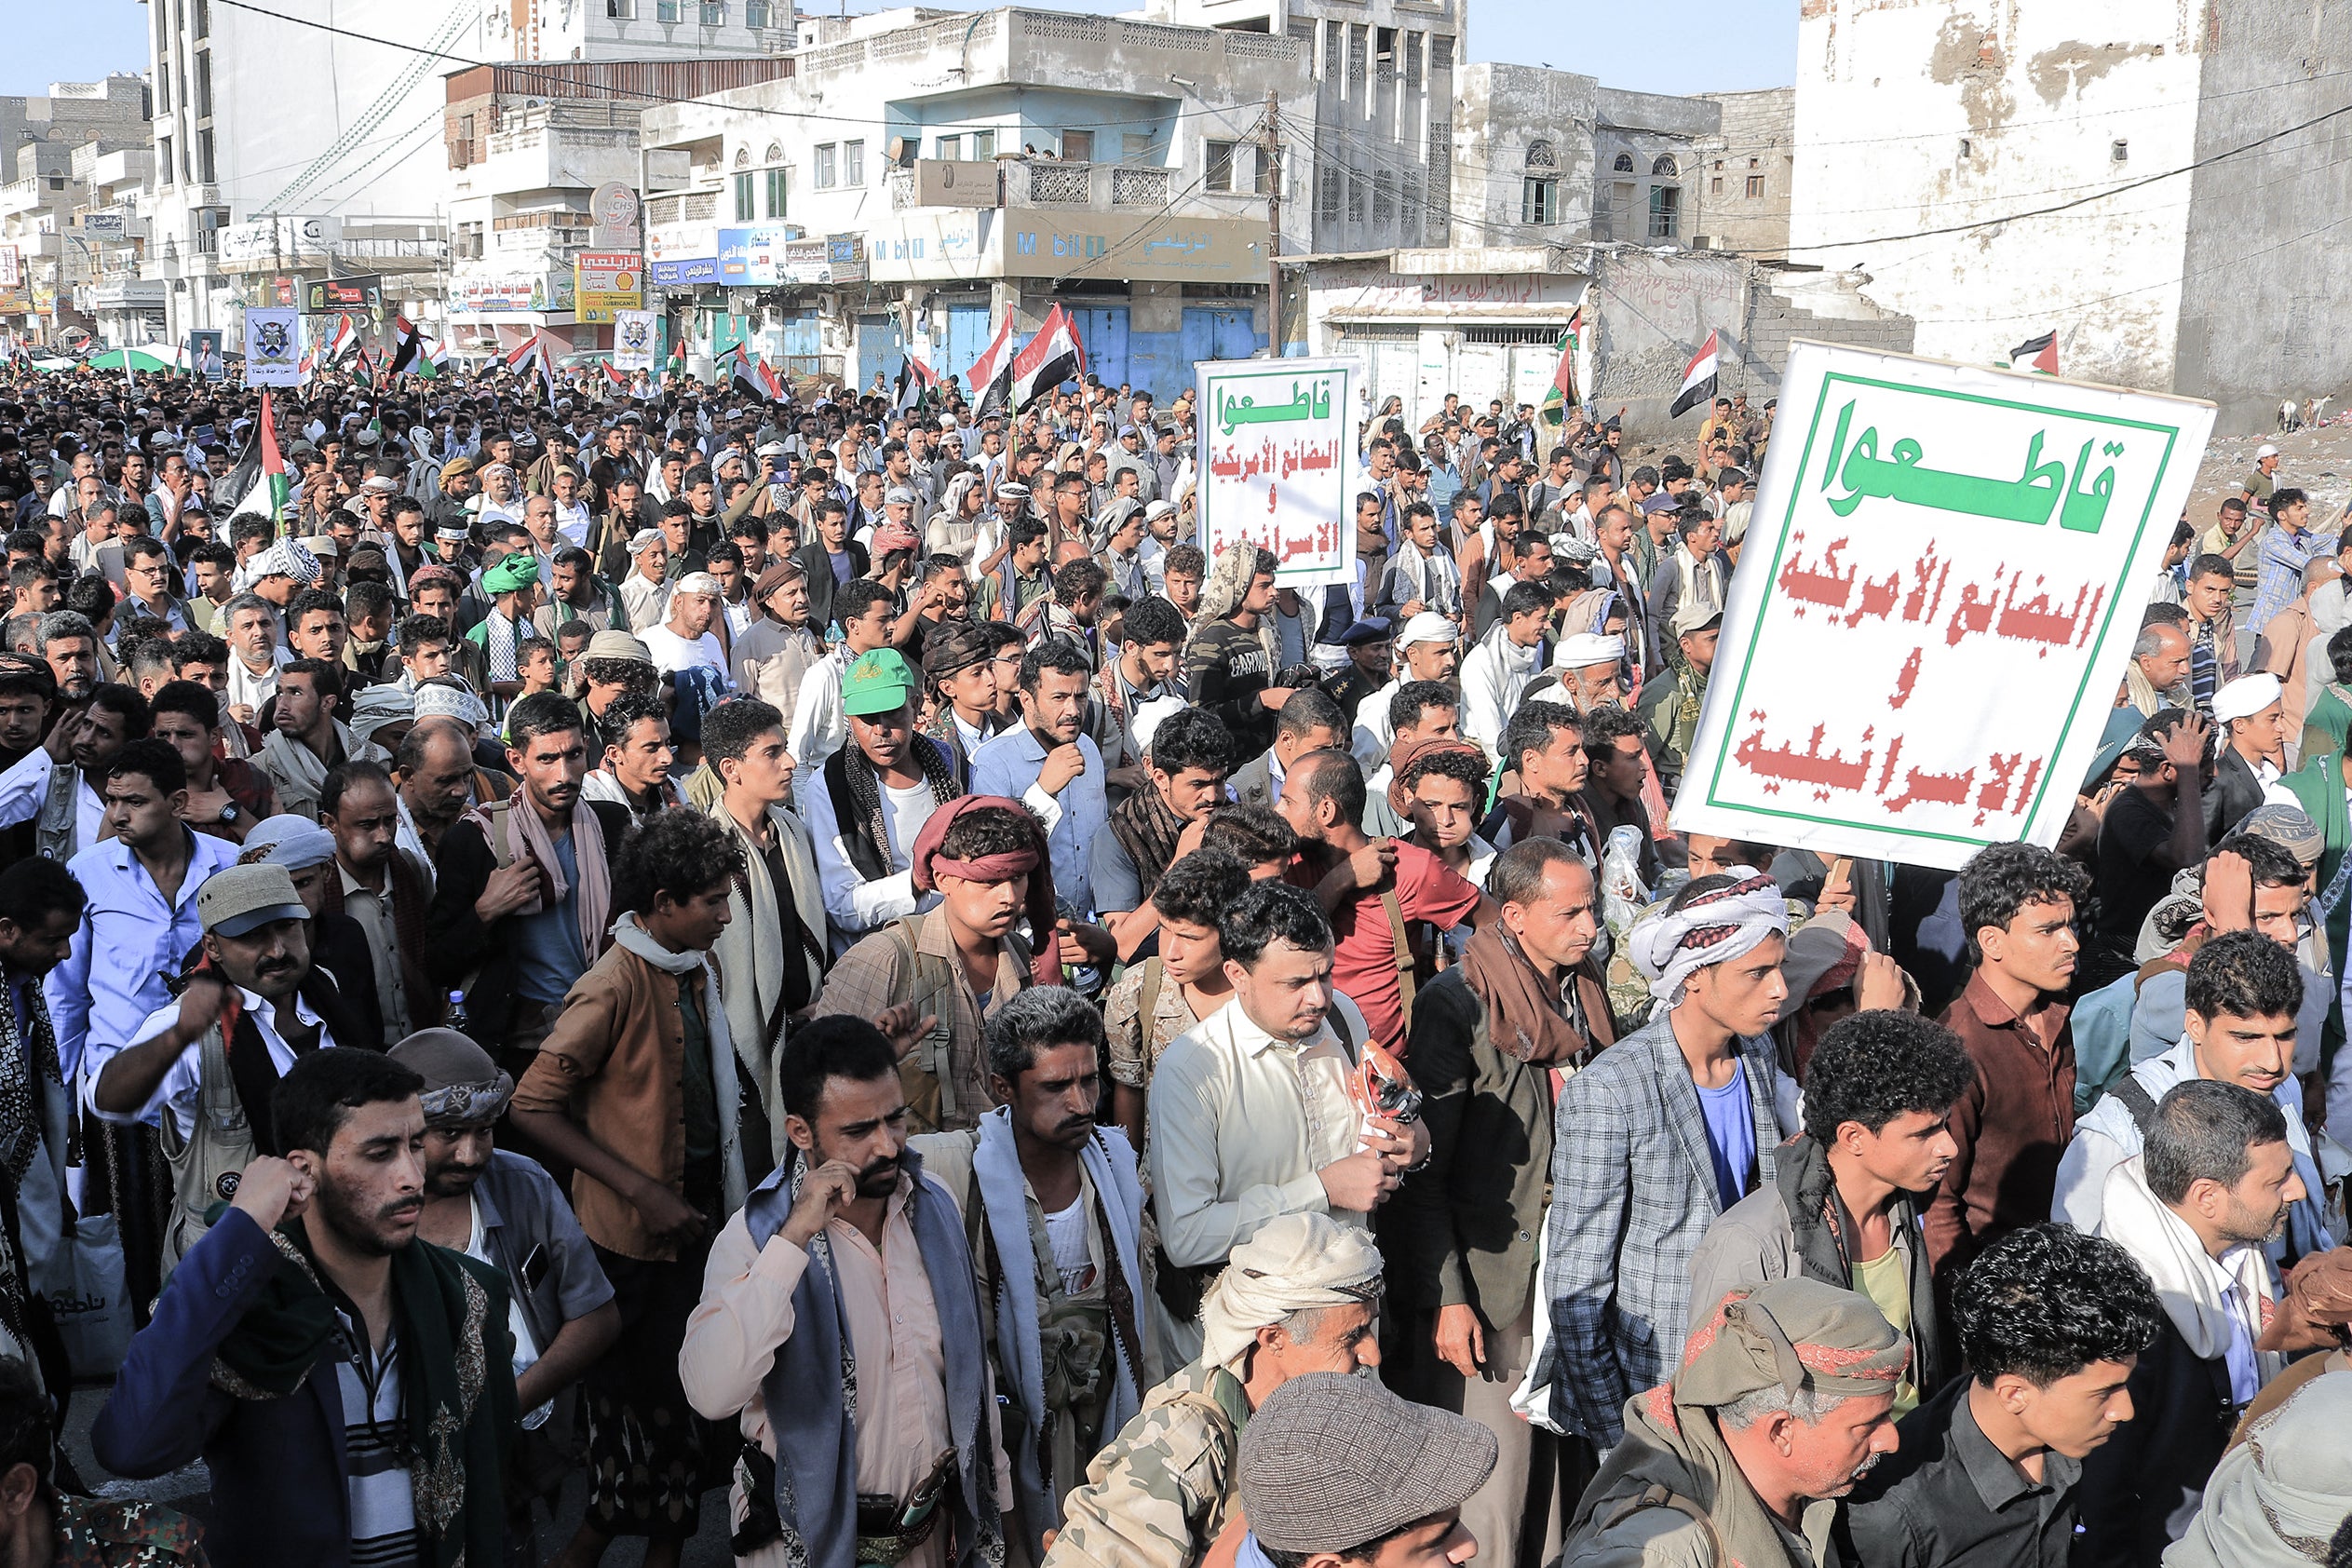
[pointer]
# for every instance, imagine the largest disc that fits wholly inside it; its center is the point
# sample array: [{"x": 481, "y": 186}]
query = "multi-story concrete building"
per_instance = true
[
  {"x": 1744, "y": 173},
  {"x": 2126, "y": 174},
  {"x": 272, "y": 135},
  {"x": 924, "y": 177},
  {"x": 58, "y": 151}
]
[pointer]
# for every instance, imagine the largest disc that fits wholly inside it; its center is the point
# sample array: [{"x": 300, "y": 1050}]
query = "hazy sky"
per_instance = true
[{"x": 1646, "y": 45}]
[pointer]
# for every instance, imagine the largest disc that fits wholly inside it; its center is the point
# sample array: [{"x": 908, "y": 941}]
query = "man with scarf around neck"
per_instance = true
[
  {"x": 40, "y": 910},
  {"x": 841, "y": 1326},
  {"x": 1845, "y": 1204},
  {"x": 869, "y": 800},
  {"x": 1229, "y": 660},
  {"x": 501, "y": 1209},
  {"x": 958, "y": 966},
  {"x": 1492, "y": 1038},
  {"x": 1191, "y": 754},
  {"x": 637, "y": 758},
  {"x": 2049, "y": 1323},
  {"x": 348, "y": 1385},
  {"x": 637, "y": 1090},
  {"x": 1782, "y": 1402},
  {"x": 1143, "y": 673},
  {"x": 960, "y": 663},
  {"x": 522, "y": 888},
  {"x": 1053, "y": 1208},
  {"x": 306, "y": 737},
  {"x": 2212, "y": 1185},
  {"x": 1336, "y": 1469},
  {"x": 1664, "y": 1132},
  {"x": 1496, "y": 674},
  {"x": 1302, "y": 1296}
]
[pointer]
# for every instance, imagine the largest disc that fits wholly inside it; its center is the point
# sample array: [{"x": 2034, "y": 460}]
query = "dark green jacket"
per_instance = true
[{"x": 2320, "y": 786}]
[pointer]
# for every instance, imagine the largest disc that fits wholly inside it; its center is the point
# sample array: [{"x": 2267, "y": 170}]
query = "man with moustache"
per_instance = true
[
  {"x": 1073, "y": 1355},
  {"x": 312, "y": 1352},
  {"x": 203, "y": 1067}
]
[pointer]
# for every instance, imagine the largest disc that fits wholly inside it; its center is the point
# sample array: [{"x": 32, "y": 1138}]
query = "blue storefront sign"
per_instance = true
[{"x": 683, "y": 272}]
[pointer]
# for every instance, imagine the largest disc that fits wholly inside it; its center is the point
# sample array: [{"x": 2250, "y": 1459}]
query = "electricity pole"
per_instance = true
[{"x": 1269, "y": 160}]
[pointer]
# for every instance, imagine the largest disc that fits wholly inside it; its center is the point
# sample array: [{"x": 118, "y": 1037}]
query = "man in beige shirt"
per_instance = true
[
  {"x": 840, "y": 1325},
  {"x": 778, "y": 647},
  {"x": 1251, "y": 1114}
]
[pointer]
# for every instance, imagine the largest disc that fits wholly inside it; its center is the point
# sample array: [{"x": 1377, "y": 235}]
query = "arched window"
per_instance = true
[
  {"x": 1664, "y": 167},
  {"x": 776, "y": 152},
  {"x": 1624, "y": 164},
  {"x": 1540, "y": 155}
]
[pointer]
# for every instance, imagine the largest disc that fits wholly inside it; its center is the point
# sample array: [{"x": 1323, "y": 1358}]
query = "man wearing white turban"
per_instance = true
[{"x": 1300, "y": 1296}]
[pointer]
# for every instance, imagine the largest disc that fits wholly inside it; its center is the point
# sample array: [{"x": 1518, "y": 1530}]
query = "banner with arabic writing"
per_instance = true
[
  {"x": 1934, "y": 605},
  {"x": 1277, "y": 462}
]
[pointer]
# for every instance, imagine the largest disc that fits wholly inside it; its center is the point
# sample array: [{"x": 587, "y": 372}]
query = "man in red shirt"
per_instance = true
[{"x": 1369, "y": 887}]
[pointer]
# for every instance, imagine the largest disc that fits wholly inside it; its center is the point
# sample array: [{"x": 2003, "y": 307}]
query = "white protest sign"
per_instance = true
[
  {"x": 1935, "y": 601},
  {"x": 1277, "y": 462},
  {"x": 273, "y": 346},
  {"x": 633, "y": 340}
]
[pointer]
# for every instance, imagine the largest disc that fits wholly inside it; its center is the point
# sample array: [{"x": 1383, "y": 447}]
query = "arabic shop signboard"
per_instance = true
[
  {"x": 606, "y": 283},
  {"x": 1934, "y": 605},
  {"x": 1275, "y": 465},
  {"x": 1186, "y": 249}
]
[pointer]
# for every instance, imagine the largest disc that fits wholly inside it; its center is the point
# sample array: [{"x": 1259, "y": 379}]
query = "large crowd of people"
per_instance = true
[{"x": 616, "y": 950}]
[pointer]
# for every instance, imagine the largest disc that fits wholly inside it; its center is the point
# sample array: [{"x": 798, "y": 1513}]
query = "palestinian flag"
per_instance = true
[
  {"x": 434, "y": 361},
  {"x": 408, "y": 344},
  {"x": 1054, "y": 356},
  {"x": 915, "y": 381},
  {"x": 270, "y": 493},
  {"x": 992, "y": 374},
  {"x": 1699, "y": 382},
  {"x": 1562, "y": 396},
  {"x": 2039, "y": 354}
]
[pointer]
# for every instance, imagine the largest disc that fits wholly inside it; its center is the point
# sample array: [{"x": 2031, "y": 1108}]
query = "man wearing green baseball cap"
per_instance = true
[
  {"x": 871, "y": 798},
  {"x": 513, "y": 589}
]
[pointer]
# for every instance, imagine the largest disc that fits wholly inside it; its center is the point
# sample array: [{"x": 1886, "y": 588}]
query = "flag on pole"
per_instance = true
[
  {"x": 342, "y": 342},
  {"x": 991, "y": 376},
  {"x": 916, "y": 380},
  {"x": 1699, "y": 382},
  {"x": 538, "y": 349},
  {"x": 2039, "y": 355},
  {"x": 1562, "y": 396},
  {"x": 408, "y": 344},
  {"x": 1054, "y": 356},
  {"x": 614, "y": 375},
  {"x": 434, "y": 361},
  {"x": 271, "y": 491}
]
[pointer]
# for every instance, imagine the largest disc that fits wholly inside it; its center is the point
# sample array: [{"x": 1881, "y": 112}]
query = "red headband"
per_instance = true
[{"x": 926, "y": 865}]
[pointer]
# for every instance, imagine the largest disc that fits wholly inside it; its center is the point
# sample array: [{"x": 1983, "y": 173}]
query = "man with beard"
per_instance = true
[
  {"x": 1040, "y": 1165},
  {"x": 522, "y": 895},
  {"x": 1783, "y": 1404},
  {"x": 2158, "y": 676},
  {"x": 313, "y": 1390},
  {"x": 308, "y": 737},
  {"x": 1429, "y": 647},
  {"x": 28, "y": 690},
  {"x": 853, "y": 1275},
  {"x": 636, "y": 768},
  {"x": 778, "y": 647},
  {"x": 636, "y": 1088},
  {"x": 504, "y": 1210},
  {"x": 54, "y": 786},
  {"x": 40, "y": 909},
  {"x": 383, "y": 891},
  {"x": 69, "y": 645},
  {"x": 1544, "y": 744},
  {"x": 435, "y": 777},
  {"x": 2212, "y": 1185},
  {"x": 1491, "y": 1038},
  {"x": 1191, "y": 754},
  {"x": 1050, "y": 765},
  {"x": 1843, "y": 1207},
  {"x": 204, "y": 1065}
]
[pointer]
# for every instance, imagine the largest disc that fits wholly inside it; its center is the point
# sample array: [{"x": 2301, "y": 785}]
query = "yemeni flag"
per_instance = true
[
  {"x": 1699, "y": 382},
  {"x": 1054, "y": 356},
  {"x": 538, "y": 349},
  {"x": 271, "y": 491},
  {"x": 2039, "y": 354},
  {"x": 1562, "y": 396},
  {"x": 750, "y": 377},
  {"x": 992, "y": 374},
  {"x": 342, "y": 342},
  {"x": 615, "y": 376},
  {"x": 915, "y": 381},
  {"x": 408, "y": 344}
]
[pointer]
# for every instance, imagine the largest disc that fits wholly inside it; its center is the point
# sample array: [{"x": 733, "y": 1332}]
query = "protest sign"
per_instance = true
[
  {"x": 1934, "y": 601},
  {"x": 633, "y": 339},
  {"x": 1277, "y": 463},
  {"x": 273, "y": 346}
]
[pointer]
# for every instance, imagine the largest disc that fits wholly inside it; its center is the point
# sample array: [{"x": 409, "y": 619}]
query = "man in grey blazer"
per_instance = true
[{"x": 1664, "y": 1132}]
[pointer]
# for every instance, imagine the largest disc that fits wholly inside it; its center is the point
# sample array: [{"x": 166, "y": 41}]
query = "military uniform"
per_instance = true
[
  {"x": 1161, "y": 1491},
  {"x": 1349, "y": 688},
  {"x": 100, "y": 1532}
]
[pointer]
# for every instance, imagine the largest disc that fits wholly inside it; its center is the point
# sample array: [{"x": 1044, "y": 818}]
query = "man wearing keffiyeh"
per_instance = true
[{"x": 1782, "y": 1402}]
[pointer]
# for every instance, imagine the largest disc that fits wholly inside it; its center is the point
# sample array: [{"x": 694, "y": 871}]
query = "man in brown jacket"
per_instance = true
[{"x": 1487, "y": 1037}]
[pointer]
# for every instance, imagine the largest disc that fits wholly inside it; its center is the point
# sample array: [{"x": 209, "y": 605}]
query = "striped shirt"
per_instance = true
[{"x": 382, "y": 1508}]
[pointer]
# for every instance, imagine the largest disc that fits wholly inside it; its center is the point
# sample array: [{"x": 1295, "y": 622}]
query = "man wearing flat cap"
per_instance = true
[
  {"x": 1670, "y": 699},
  {"x": 1298, "y": 1298},
  {"x": 1783, "y": 1401},
  {"x": 1337, "y": 1469}
]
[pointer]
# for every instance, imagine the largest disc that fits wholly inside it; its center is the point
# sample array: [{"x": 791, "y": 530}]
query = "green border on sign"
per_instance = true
[
  {"x": 1347, "y": 372},
  {"x": 2172, "y": 434}
]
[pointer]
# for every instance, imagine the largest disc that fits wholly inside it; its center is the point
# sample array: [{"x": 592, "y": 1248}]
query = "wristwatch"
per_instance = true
[{"x": 228, "y": 812}]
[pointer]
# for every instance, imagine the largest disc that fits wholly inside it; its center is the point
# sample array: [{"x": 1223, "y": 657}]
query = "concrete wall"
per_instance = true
[
  {"x": 2265, "y": 271},
  {"x": 1757, "y": 141},
  {"x": 1924, "y": 115},
  {"x": 1500, "y": 113}
]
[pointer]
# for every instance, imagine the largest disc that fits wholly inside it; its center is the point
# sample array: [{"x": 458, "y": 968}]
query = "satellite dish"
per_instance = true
[{"x": 901, "y": 150}]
